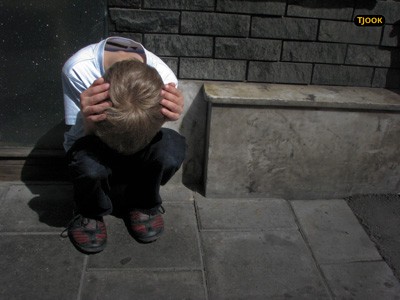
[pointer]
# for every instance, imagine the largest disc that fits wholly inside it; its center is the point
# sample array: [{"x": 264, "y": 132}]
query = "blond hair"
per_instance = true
[{"x": 135, "y": 116}]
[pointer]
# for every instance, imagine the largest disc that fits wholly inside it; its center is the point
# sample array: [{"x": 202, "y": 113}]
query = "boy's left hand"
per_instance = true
[{"x": 172, "y": 102}]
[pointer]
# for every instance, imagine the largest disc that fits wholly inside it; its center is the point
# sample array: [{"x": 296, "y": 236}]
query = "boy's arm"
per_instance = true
[
  {"x": 172, "y": 102},
  {"x": 94, "y": 104}
]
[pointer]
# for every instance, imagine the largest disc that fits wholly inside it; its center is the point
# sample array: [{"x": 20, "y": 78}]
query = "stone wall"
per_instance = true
[{"x": 276, "y": 41}]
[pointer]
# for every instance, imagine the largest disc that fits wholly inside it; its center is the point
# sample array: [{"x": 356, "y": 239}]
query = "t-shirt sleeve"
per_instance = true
[
  {"x": 72, "y": 90},
  {"x": 165, "y": 72}
]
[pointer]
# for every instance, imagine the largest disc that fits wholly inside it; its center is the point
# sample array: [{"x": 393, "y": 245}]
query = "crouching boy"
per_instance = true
[{"x": 117, "y": 95}]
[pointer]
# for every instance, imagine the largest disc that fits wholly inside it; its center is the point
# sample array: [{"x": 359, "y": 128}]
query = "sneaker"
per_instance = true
[
  {"x": 146, "y": 225},
  {"x": 87, "y": 235}
]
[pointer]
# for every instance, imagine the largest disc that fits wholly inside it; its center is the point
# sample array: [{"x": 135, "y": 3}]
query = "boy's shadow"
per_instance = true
[{"x": 45, "y": 174}]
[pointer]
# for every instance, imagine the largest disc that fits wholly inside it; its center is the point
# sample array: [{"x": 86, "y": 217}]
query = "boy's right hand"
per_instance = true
[{"x": 94, "y": 103}]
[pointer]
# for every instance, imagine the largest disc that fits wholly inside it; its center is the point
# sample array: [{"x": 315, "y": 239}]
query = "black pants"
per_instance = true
[{"x": 96, "y": 170}]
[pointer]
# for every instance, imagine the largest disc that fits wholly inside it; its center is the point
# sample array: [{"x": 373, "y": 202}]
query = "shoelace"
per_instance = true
[{"x": 64, "y": 233}]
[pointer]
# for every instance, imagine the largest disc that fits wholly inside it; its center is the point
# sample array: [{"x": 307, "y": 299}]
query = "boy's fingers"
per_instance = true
[
  {"x": 173, "y": 107},
  {"x": 170, "y": 115}
]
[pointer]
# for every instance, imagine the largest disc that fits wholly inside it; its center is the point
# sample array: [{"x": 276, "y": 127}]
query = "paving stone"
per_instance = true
[
  {"x": 367, "y": 280},
  {"x": 146, "y": 285},
  {"x": 333, "y": 231},
  {"x": 255, "y": 265},
  {"x": 176, "y": 193},
  {"x": 242, "y": 214},
  {"x": 177, "y": 248},
  {"x": 36, "y": 208},
  {"x": 39, "y": 267}
]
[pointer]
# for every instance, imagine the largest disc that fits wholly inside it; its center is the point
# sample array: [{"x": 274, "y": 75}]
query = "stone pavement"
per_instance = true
[{"x": 212, "y": 249}]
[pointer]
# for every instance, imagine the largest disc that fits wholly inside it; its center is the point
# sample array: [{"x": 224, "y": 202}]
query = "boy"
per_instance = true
[{"x": 96, "y": 162}]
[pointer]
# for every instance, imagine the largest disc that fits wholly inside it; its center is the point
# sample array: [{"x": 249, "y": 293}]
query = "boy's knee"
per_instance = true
[{"x": 84, "y": 166}]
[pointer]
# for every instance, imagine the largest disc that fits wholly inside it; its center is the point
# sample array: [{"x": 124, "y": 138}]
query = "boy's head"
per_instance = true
[{"x": 135, "y": 116}]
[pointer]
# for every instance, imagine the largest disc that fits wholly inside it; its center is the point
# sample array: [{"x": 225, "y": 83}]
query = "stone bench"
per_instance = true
[{"x": 301, "y": 142}]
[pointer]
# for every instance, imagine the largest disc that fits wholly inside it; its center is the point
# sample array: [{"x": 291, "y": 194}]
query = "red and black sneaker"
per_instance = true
[
  {"x": 146, "y": 225},
  {"x": 88, "y": 235}
]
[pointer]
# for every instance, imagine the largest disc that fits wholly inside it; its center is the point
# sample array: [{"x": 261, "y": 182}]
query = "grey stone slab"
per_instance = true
[
  {"x": 146, "y": 285},
  {"x": 333, "y": 231},
  {"x": 256, "y": 49},
  {"x": 366, "y": 280},
  {"x": 39, "y": 267},
  {"x": 216, "y": 24},
  {"x": 284, "y": 28},
  {"x": 346, "y": 32},
  {"x": 245, "y": 214},
  {"x": 125, "y": 3},
  {"x": 3, "y": 189},
  {"x": 252, "y": 7},
  {"x": 177, "y": 248},
  {"x": 342, "y": 75},
  {"x": 279, "y": 72},
  {"x": 301, "y": 96},
  {"x": 390, "y": 36},
  {"x": 255, "y": 265},
  {"x": 36, "y": 207},
  {"x": 314, "y": 52}
]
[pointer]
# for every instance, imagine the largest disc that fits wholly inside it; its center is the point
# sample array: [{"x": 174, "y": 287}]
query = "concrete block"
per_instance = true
[
  {"x": 390, "y": 37},
  {"x": 367, "y": 280},
  {"x": 216, "y": 24},
  {"x": 36, "y": 208},
  {"x": 39, "y": 267},
  {"x": 202, "y": 5},
  {"x": 143, "y": 284},
  {"x": 389, "y": 9},
  {"x": 171, "y": 62},
  {"x": 281, "y": 72},
  {"x": 252, "y": 7},
  {"x": 342, "y": 75},
  {"x": 333, "y": 231},
  {"x": 245, "y": 214},
  {"x": 179, "y": 45},
  {"x": 260, "y": 265},
  {"x": 339, "y": 10},
  {"x": 284, "y": 28},
  {"x": 301, "y": 142},
  {"x": 347, "y": 32},
  {"x": 256, "y": 49},
  {"x": 212, "y": 69},
  {"x": 145, "y": 20},
  {"x": 314, "y": 52},
  {"x": 176, "y": 193},
  {"x": 386, "y": 77},
  {"x": 372, "y": 56},
  {"x": 124, "y": 3},
  {"x": 177, "y": 248}
]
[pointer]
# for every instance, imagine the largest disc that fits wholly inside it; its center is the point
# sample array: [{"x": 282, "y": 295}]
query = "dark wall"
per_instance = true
[{"x": 36, "y": 38}]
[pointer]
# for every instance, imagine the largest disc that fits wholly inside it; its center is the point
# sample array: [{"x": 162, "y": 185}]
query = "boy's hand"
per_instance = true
[
  {"x": 172, "y": 102},
  {"x": 94, "y": 103}
]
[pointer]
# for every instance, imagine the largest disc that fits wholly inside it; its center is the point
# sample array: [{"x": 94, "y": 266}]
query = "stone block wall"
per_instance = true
[{"x": 293, "y": 41}]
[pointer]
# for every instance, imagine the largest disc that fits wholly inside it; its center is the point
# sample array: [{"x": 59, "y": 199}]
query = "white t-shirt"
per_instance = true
[{"x": 87, "y": 65}]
